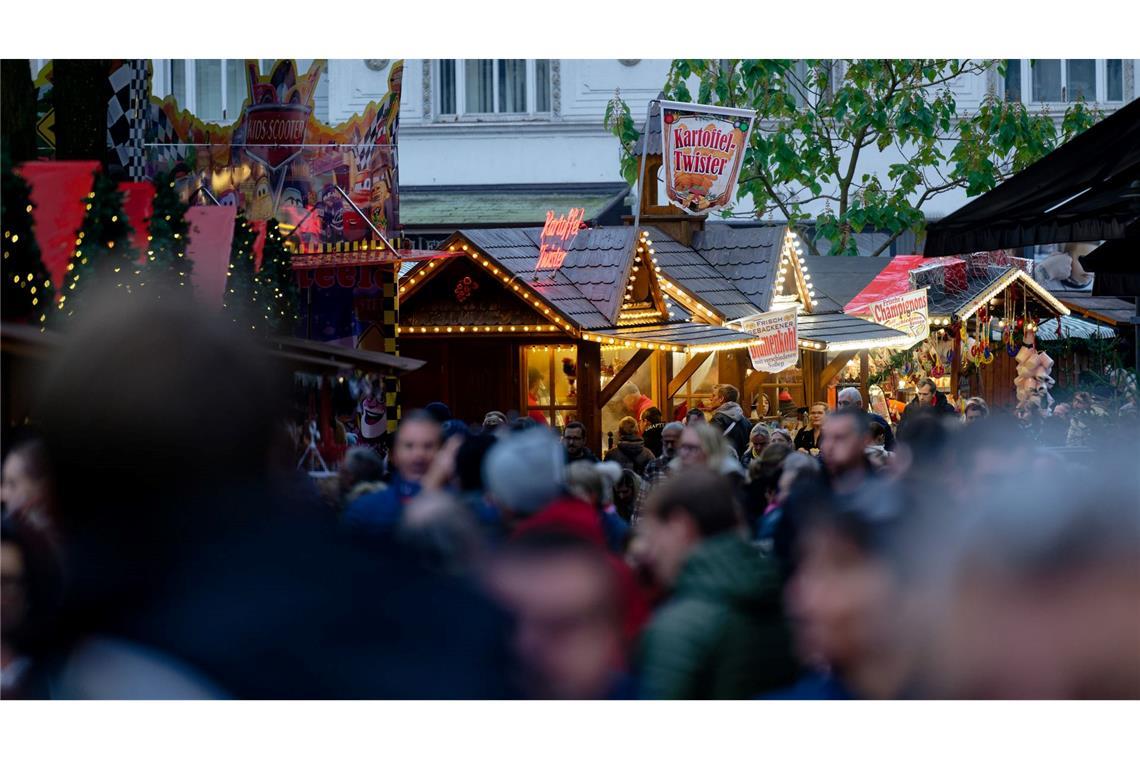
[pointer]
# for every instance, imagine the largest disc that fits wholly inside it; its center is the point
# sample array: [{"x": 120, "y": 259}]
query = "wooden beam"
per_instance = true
[
  {"x": 686, "y": 372},
  {"x": 589, "y": 379},
  {"x": 831, "y": 370},
  {"x": 622, "y": 377},
  {"x": 865, "y": 376},
  {"x": 955, "y": 364}
]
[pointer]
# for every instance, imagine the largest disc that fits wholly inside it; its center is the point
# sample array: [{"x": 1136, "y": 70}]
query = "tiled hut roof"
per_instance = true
[
  {"x": 732, "y": 270},
  {"x": 587, "y": 288}
]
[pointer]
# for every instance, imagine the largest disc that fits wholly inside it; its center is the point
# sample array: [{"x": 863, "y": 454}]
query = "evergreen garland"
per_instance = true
[
  {"x": 27, "y": 291},
  {"x": 277, "y": 284},
  {"x": 103, "y": 255},
  {"x": 168, "y": 268},
  {"x": 241, "y": 296}
]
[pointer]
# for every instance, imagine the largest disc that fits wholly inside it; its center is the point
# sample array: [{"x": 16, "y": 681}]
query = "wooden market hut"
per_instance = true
[
  {"x": 960, "y": 289},
  {"x": 625, "y": 306}
]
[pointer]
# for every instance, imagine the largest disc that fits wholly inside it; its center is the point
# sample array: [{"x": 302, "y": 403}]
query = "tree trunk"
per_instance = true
[
  {"x": 79, "y": 94},
  {"x": 18, "y": 109}
]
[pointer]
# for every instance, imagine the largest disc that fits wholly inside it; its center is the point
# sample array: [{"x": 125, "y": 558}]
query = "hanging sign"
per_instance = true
[
  {"x": 906, "y": 312},
  {"x": 703, "y": 148},
  {"x": 779, "y": 340},
  {"x": 557, "y": 236}
]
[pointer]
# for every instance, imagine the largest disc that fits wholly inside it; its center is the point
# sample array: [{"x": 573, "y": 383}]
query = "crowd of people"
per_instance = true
[{"x": 159, "y": 542}]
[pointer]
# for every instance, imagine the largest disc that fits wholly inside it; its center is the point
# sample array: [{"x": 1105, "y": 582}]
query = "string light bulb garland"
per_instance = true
[
  {"x": 168, "y": 269},
  {"x": 104, "y": 255},
  {"x": 27, "y": 289}
]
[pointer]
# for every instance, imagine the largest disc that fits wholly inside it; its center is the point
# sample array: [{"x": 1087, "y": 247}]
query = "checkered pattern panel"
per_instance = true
[
  {"x": 391, "y": 303},
  {"x": 367, "y": 145},
  {"x": 163, "y": 151},
  {"x": 126, "y": 125}
]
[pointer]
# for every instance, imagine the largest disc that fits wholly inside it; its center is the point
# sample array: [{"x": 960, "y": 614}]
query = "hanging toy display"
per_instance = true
[{"x": 1034, "y": 367}]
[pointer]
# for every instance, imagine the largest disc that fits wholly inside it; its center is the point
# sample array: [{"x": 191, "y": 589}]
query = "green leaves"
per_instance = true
[{"x": 913, "y": 144}]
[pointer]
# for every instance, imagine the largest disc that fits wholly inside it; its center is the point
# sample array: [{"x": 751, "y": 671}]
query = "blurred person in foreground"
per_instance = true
[
  {"x": 846, "y": 436},
  {"x": 721, "y": 633},
  {"x": 593, "y": 484},
  {"x": 185, "y": 575},
  {"x": 25, "y": 484},
  {"x": 418, "y": 441},
  {"x": 976, "y": 409},
  {"x": 29, "y": 600},
  {"x": 855, "y": 614},
  {"x": 1040, "y": 588},
  {"x": 566, "y": 596}
]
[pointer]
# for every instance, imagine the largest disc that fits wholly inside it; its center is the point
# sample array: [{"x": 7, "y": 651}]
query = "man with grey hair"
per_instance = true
[
  {"x": 656, "y": 470},
  {"x": 851, "y": 398}
]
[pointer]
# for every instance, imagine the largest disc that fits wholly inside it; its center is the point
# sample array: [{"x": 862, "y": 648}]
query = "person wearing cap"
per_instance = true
[
  {"x": 852, "y": 398},
  {"x": 418, "y": 441}
]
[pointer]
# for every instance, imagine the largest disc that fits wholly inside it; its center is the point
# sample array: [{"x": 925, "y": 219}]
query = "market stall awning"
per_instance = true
[
  {"x": 1113, "y": 311},
  {"x": 1087, "y": 189},
  {"x": 330, "y": 354},
  {"x": 690, "y": 337},
  {"x": 843, "y": 332},
  {"x": 1072, "y": 327},
  {"x": 452, "y": 207},
  {"x": 960, "y": 288}
]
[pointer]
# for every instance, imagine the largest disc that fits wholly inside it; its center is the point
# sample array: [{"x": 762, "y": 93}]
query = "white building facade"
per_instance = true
[{"x": 527, "y": 123}]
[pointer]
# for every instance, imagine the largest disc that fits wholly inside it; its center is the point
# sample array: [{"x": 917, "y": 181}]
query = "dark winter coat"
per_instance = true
[
  {"x": 652, "y": 436},
  {"x": 722, "y": 634},
  {"x": 730, "y": 418},
  {"x": 584, "y": 455},
  {"x": 631, "y": 454},
  {"x": 941, "y": 406}
]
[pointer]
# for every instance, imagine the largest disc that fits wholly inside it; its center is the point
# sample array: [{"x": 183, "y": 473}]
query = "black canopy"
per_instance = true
[{"x": 1087, "y": 189}]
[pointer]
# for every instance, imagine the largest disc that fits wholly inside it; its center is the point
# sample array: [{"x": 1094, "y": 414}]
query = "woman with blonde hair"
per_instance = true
[
  {"x": 807, "y": 440},
  {"x": 706, "y": 446}
]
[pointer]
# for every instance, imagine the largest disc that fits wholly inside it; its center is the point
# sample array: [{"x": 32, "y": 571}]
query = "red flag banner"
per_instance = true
[
  {"x": 59, "y": 192},
  {"x": 138, "y": 205},
  {"x": 211, "y": 235}
]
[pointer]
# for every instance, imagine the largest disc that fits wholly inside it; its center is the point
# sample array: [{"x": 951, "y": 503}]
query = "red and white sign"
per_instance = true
[
  {"x": 275, "y": 133},
  {"x": 779, "y": 348},
  {"x": 557, "y": 236},
  {"x": 702, "y": 149},
  {"x": 907, "y": 312}
]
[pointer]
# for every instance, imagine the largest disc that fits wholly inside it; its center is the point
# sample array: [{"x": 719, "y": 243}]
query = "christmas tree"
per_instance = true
[
  {"x": 168, "y": 268},
  {"x": 103, "y": 255},
  {"x": 241, "y": 296},
  {"x": 27, "y": 292},
  {"x": 277, "y": 284}
]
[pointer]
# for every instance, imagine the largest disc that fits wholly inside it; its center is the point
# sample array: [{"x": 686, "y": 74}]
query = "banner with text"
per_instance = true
[
  {"x": 907, "y": 312},
  {"x": 702, "y": 148},
  {"x": 779, "y": 347}
]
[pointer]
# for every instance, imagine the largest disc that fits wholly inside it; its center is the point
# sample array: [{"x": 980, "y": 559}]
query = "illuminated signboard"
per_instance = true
[{"x": 557, "y": 236}]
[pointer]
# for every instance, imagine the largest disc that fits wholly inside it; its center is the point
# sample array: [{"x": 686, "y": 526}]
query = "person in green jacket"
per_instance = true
[{"x": 721, "y": 634}]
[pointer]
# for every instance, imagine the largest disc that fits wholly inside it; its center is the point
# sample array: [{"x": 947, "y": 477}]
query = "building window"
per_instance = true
[
  {"x": 486, "y": 87},
  {"x": 1065, "y": 80},
  {"x": 550, "y": 379},
  {"x": 215, "y": 89},
  {"x": 696, "y": 393}
]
